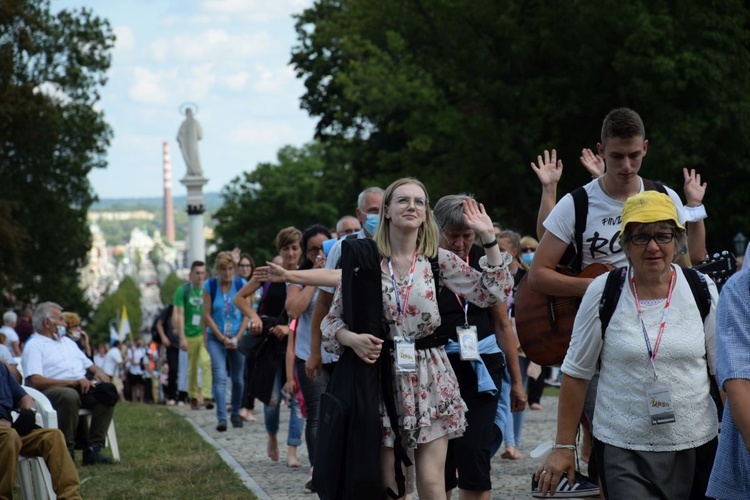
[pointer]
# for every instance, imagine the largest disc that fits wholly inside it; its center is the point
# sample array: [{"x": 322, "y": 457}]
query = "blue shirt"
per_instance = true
[
  {"x": 11, "y": 393},
  {"x": 223, "y": 307},
  {"x": 730, "y": 477}
]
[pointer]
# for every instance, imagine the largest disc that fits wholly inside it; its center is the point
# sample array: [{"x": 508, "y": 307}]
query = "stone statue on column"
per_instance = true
[{"x": 188, "y": 136}]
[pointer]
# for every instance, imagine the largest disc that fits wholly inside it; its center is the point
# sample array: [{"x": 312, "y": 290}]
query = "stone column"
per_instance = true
[{"x": 195, "y": 209}]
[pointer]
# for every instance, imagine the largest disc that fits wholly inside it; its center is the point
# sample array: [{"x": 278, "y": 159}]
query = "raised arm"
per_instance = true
[
  {"x": 694, "y": 193},
  {"x": 549, "y": 172},
  {"x": 308, "y": 277}
]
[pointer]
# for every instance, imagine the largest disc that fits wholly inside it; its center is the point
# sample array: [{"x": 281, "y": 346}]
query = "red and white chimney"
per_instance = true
[{"x": 168, "y": 206}]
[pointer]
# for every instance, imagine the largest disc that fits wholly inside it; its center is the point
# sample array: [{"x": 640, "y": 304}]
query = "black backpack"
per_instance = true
[
  {"x": 698, "y": 286},
  {"x": 573, "y": 258}
]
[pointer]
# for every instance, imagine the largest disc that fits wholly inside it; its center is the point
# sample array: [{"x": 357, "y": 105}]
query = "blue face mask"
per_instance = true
[
  {"x": 526, "y": 258},
  {"x": 371, "y": 224},
  {"x": 61, "y": 331}
]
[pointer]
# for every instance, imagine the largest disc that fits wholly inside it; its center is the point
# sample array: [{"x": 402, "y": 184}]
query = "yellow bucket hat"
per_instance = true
[{"x": 647, "y": 207}]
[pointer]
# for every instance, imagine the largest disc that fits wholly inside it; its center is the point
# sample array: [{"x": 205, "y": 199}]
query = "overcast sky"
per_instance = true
[{"x": 230, "y": 57}]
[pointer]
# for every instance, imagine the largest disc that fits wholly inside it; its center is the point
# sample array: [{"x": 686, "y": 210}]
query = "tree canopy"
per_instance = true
[
  {"x": 308, "y": 185},
  {"x": 127, "y": 295},
  {"x": 464, "y": 95},
  {"x": 51, "y": 137}
]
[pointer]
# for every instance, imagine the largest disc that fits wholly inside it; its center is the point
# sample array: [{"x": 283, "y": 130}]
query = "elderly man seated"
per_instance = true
[
  {"x": 23, "y": 437},
  {"x": 53, "y": 364}
]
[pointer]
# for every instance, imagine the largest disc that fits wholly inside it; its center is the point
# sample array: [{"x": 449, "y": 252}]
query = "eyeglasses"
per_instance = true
[
  {"x": 528, "y": 250},
  {"x": 642, "y": 239},
  {"x": 405, "y": 201},
  {"x": 314, "y": 250}
]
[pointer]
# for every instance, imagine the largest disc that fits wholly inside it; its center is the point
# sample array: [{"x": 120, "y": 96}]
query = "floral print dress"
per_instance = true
[{"x": 428, "y": 401}]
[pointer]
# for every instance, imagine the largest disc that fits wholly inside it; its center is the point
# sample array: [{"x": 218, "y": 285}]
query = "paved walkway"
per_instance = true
[{"x": 246, "y": 448}]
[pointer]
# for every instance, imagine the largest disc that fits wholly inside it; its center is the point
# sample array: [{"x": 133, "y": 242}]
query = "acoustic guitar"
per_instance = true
[{"x": 545, "y": 323}]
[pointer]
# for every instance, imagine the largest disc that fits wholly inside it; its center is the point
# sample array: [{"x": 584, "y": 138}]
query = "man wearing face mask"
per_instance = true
[
  {"x": 53, "y": 364},
  {"x": 368, "y": 214}
]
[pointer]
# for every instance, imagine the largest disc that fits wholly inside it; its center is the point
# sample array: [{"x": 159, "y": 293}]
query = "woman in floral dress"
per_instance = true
[{"x": 428, "y": 402}]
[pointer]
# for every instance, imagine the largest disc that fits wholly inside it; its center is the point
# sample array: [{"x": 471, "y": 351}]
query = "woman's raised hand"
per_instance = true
[
  {"x": 476, "y": 218},
  {"x": 270, "y": 272}
]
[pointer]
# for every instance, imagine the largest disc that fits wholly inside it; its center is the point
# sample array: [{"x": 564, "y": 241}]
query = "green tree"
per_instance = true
[
  {"x": 167, "y": 289},
  {"x": 51, "y": 137},
  {"x": 306, "y": 186},
  {"x": 465, "y": 94},
  {"x": 110, "y": 308}
]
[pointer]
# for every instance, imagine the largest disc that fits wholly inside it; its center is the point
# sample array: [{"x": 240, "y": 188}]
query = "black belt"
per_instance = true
[{"x": 424, "y": 342}]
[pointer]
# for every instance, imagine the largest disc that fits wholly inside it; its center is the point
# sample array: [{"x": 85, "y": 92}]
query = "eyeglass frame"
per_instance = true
[{"x": 654, "y": 237}]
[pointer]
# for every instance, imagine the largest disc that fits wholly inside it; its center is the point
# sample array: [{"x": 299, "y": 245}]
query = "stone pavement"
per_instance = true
[{"x": 246, "y": 449}]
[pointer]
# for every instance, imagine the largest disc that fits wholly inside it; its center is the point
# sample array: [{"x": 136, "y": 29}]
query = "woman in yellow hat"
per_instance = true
[{"x": 655, "y": 424}]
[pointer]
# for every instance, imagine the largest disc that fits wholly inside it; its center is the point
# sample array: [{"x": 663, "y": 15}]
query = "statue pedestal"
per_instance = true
[{"x": 195, "y": 209}]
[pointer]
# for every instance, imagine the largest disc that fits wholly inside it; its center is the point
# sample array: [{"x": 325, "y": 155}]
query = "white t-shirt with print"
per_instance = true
[{"x": 601, "y": 237}]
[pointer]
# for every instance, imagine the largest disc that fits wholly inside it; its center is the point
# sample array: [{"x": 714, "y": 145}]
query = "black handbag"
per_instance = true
[{"x": 250, "y": 343}]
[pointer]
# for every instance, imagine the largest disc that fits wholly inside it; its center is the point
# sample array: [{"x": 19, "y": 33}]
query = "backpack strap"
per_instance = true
[
  {"x": 212, "y": 286},
  {"x": 649, "y": 185},
  {"x": 238, "y": 283},
  {"x": 435, "y": 266},
  {"x": 699, "y": 287},
  {"x": 581, "y": 205},
  {"x": 185, "y": 294},
  {"x": 611, "y": 295}
]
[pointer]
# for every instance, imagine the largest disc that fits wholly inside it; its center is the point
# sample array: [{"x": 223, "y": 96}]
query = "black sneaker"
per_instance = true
[
  {"x": 583, "y": 487},
  {"x": 222, "y": 426},
  {"x": 209, "y": 403},
  {"x": 92, "y": 455},
  {"x": 236, "y": 420}
]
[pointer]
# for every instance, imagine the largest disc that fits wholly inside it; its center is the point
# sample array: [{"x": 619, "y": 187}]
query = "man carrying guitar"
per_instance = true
[
  {"x": 623, "y": 147},
  {"x": 595, "y": 236}
]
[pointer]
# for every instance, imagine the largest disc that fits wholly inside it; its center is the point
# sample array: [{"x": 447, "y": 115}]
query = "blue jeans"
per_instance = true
[
  {"x": 219, "y": 357},
  {"x": 514, "y": 424},
  {"x": 312, "y": 390},
  {"x": 271, "y": 412}
]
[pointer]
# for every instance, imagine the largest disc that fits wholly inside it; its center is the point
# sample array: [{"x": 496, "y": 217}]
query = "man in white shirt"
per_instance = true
[
  {"x": 53, "y": 364},
  {"x": 9, "y": 330}
]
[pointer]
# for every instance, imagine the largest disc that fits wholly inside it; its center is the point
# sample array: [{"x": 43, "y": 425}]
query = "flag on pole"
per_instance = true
[
  {"x": 124, "y": 323},
  {"x": 113, "y": 336}
]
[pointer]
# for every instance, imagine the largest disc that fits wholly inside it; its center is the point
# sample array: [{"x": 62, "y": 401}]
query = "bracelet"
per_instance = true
[
  {"x": 563, "y": 446},
  {"x": 694, "y": 214},
  {"x": 490, "y": 244}
]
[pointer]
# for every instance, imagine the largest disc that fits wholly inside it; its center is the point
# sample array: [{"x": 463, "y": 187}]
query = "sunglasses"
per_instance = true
[{"x": 528, "y": 249}]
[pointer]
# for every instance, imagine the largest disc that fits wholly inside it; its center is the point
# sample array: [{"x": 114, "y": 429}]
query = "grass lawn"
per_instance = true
[{"x": 162, "y": 457}]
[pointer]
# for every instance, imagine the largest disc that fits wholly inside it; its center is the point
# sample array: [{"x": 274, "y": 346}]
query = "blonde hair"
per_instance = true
[
  {"x": 71, "y": 319},
  {"x": 223, "y": 259},
  {"x": 428, "y": 235},
  {"x": 528, "y": 241}
]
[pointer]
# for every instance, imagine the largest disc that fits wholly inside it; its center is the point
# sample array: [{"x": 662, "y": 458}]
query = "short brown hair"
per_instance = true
[
  {"x": 287, "y": 236},
  {"x": 623, "y": 123}
]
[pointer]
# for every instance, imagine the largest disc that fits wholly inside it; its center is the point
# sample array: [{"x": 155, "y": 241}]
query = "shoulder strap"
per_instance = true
[
  {"x": 650, "y": 185},
  {"x": 581, "y": 204},
  {"x": 435, "y": 266},
  {"x": 699, "y": 287},
  {"x": 237, "y": 283},
  {"x": 185, "y": 294},
  {"x": 212, "y": 286},
  {"x": 610, "y": 296}
]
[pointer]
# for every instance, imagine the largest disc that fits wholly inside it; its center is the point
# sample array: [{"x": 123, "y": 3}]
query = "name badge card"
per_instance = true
[
  {"x": 196, "y": 320},
  {"x": 659, "y": 399},
  {"x": 406, "y": 358},
  {"x": 467, "y": 341}
]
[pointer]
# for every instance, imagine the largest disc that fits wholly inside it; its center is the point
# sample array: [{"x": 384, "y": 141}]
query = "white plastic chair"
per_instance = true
[
  {"x": 111, "y": 434},
  {"x": 33, "y": 476}
]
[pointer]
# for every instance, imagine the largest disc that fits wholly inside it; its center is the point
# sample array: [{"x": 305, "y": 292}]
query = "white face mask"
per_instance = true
[{"x": 61, "y": 331}]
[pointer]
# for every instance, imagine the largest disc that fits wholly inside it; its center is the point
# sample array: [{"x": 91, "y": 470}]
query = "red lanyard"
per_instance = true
[
  {"x": 408, "y": 289},
  {"x": 665, "y": 312}
]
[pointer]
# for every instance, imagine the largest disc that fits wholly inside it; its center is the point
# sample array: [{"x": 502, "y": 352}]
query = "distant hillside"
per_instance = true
[{"x": 212, "y": 200}]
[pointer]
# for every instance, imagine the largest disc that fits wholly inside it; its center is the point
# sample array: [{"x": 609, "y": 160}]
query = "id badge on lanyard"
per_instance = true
[
  {"x": 468, "y": 339},
  {"x": 406, "y": 356},
  {"x": 658, "y": 393}
]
